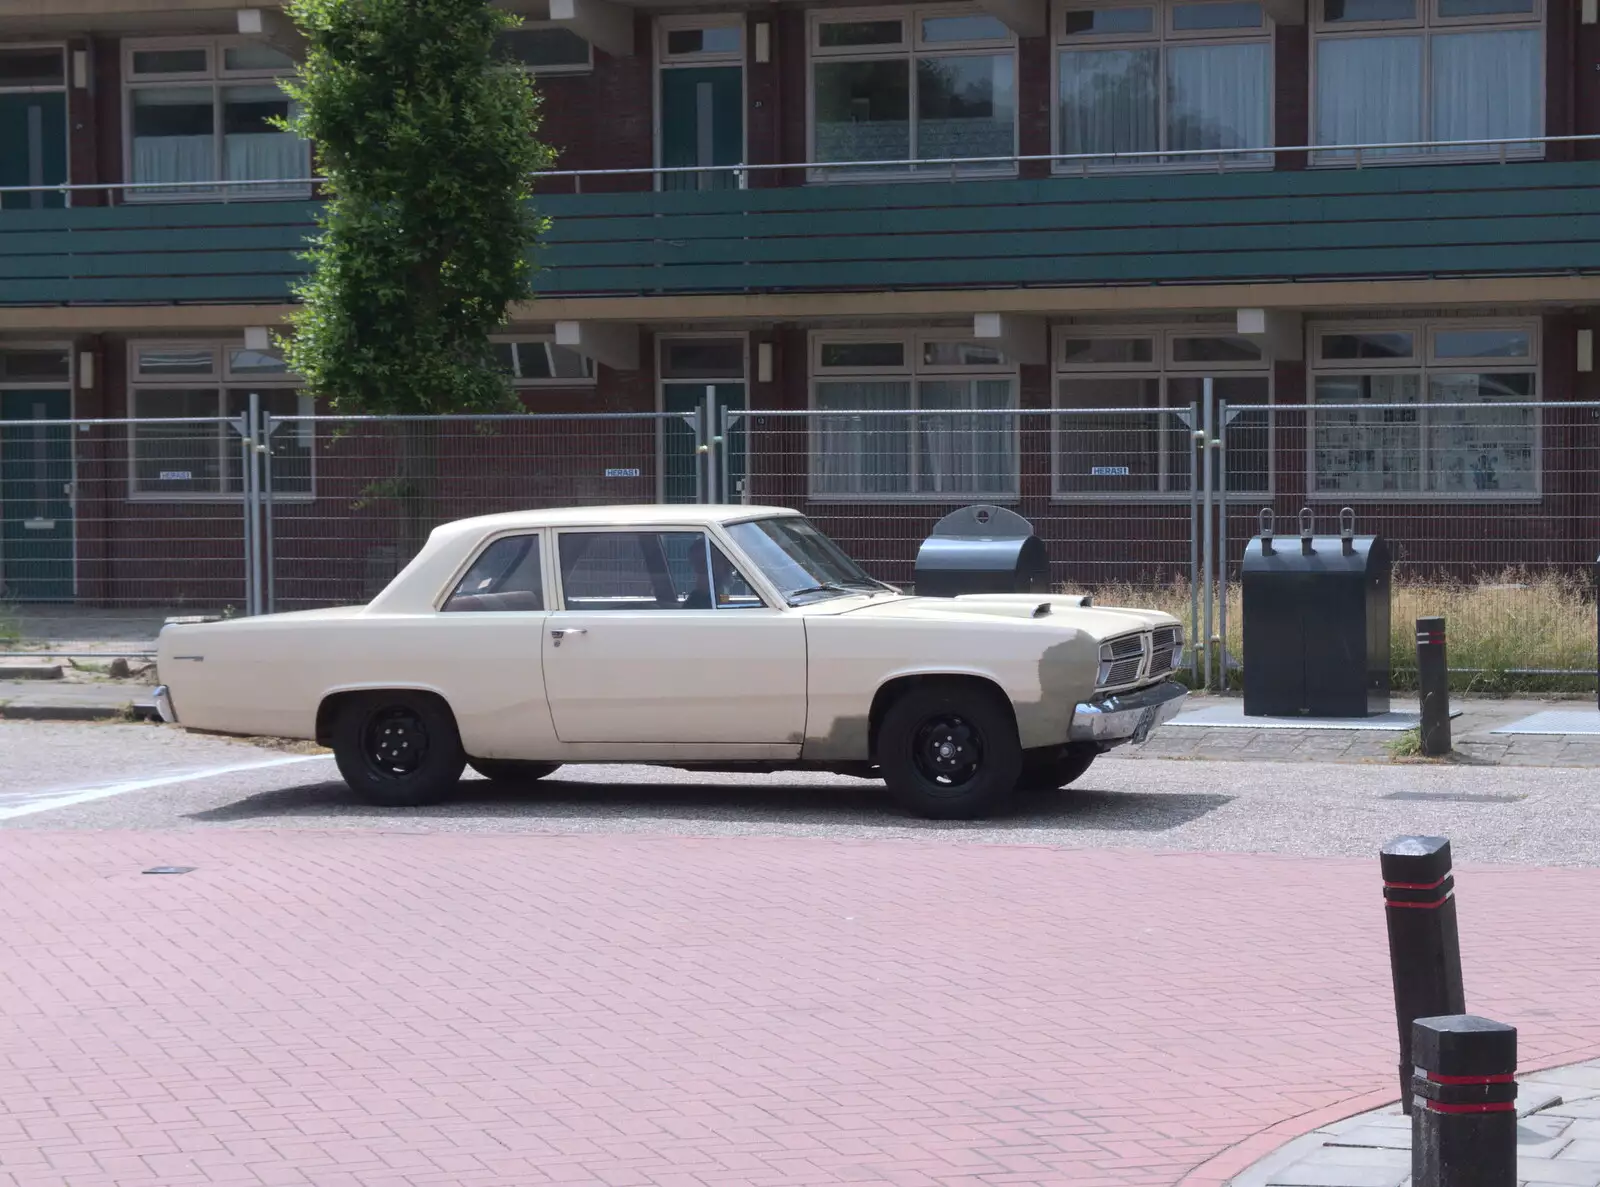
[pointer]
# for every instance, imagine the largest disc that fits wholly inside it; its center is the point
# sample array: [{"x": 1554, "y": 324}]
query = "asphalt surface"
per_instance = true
[{"x": 59, "y": 776}]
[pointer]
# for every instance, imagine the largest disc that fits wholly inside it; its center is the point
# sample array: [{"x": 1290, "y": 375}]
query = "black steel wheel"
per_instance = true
[
  {"x": 948, "y": 750},
  {"x": 399, "y": 749},
  {"x": 1057, "y": 768},
  {"x": 505, "y": 770}
]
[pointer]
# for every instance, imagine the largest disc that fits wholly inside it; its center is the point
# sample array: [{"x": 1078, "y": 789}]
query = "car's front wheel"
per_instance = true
[
  {"x": 506, "y": 770},
  {"x": 1058, "y": 768},
  {"x": 398, "y": 749},
  {"x": 948, "y": 750}
]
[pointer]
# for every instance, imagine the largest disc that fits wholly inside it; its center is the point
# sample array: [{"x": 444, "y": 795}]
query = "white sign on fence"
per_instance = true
[
  {"x": 1108, "y": 471},
  {"x": 176, "y": 476},
  {"x": 632, "y": 472}
]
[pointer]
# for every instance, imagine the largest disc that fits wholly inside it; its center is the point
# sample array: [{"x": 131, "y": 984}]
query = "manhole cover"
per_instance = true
[
  {"x": 1454, "y": 797},
  {"x": 170, "y": 870}
]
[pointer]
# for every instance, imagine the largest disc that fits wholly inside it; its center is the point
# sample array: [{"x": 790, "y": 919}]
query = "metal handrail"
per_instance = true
[{"x": 926, "y": 163}]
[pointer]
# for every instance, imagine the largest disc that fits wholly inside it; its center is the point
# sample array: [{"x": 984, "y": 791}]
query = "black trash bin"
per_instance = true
[
  {"x": 981, "y": 550},
  {"x": 1316, "y": 623}
]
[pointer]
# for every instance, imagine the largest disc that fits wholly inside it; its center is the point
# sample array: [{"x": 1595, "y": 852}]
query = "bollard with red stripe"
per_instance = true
[
  {"x": 1464, "y": 1089},
  {"x": 1424, "y": 944},
  {"x": 1433, "y": 686}
]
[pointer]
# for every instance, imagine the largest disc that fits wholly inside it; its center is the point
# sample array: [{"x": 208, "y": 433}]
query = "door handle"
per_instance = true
[{"x": 561, "y": 633}]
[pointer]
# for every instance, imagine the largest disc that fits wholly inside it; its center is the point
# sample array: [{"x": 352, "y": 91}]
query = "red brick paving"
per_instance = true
[{"x": 374, "y": 1009}]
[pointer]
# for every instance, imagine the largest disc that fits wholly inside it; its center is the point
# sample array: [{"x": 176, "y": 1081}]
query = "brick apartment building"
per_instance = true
[{"x": 1173, "y": 239}]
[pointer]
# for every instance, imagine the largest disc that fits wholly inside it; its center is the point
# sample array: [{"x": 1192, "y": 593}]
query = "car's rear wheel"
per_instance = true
[
  {"x": 506, "y": 770},
  {"x": 948, "y": 750},
  {"x": 1058, "y": 768},
  {"x": 398, "y": 749}
]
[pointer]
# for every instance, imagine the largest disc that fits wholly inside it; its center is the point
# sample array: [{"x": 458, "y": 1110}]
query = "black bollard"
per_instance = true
[
  {"x": 1433, "y": 684},
  {"x": 1424, "y": 945},
  {"x": 1464, "y": 1129}
]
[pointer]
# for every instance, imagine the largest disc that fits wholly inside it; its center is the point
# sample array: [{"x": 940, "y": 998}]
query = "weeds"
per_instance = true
[{"x": 1515, "y": 632}]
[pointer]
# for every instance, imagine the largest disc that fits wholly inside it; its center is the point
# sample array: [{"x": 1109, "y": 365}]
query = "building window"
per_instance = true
[
  {"x": 1389, "y": 421},
  {"x": 183, "y": 396},
  {"x": 1127, "y": 401},
  {"x": 910, "y": 425},
  {"x": 1164, "y": 78},
  {"x": 539, "y": 362},
  {"x": 912, "y": 84},
  {"x": 1410, "y": 71},
  {"x": 202, "y": 112},
  {"x": 546, "y": 49}
]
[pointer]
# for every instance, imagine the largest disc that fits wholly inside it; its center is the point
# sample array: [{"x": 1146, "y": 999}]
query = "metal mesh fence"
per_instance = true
[
  {"x": 1491, "y": 510},
  {"x": 354, "y": 498},
  {"x": 109, "y": 526}
]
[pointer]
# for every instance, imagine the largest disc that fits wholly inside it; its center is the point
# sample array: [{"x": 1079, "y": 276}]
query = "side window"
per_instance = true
[
  {"x": 648, "y": 571},
  {"x": 505, "y": 577},
  {"x": 733, "y": 591}
]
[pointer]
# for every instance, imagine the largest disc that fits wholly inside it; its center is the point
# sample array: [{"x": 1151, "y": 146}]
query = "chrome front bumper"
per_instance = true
[
  {"x": 163, "y": 699},
  {"x": 1129, "y": 717}
]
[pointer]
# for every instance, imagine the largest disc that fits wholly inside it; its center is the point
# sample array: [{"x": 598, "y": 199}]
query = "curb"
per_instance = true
[{"x": 130, "y": 711}]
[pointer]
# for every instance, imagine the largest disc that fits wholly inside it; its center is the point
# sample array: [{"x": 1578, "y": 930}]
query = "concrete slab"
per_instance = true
[
  {"x": 1230, "y": 715},
  {"x": 1555, "y": 721}
]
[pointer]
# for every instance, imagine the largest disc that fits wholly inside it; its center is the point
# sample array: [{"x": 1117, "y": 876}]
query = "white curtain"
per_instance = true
[
  {"x": 1369, "y": 91},
  {"x": 1219, "y": 96},
  {"x": 965, "y": 454},
  {"x": 1486, "y": 86},
  {"x": 172, "y": 158},
  {"x": 862, "y": 454},
  {"x": 1109, "y": 101}
]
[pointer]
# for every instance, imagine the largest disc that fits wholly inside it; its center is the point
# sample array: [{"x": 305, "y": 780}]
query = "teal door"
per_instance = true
[
  {"x": 36, "y": 537},
  {"x": 33, "y": 147},
  {"x": 702, "y": 123},
  {"x": 687, "y": 476}
]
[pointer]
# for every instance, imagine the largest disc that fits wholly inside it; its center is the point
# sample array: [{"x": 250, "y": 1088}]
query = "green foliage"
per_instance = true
[{"x": 428, "y": 145}]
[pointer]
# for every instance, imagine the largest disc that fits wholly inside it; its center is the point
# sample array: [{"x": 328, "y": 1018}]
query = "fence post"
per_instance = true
[
  {"x": 1195, "y": 638},
  {"x": 241, "y": 426},
  {"x": 1464, "y": 1126},
  {"x": 252, "y": 494},
  {"x": 1223, "y": 418},
  {"x": 1424, "y": 944},
  {"x": 1433, "y": 686},
  {"x": 269, "y": 426}
]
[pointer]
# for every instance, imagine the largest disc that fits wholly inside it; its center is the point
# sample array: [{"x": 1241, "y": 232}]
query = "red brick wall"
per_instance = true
[{"x": 1291, "y": 72}]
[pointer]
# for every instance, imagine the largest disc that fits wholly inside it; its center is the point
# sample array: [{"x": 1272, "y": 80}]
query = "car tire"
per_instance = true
[
  {"x": 398, "y": 749},
  {"x": 949, "y": 750},
  {"x": 506, "y": 770},
  {"x": 1058, "y": 768}
]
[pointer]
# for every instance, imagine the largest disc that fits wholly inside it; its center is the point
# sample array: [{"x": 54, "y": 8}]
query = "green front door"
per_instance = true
[
  {"x": 702, "y": 123},
  {"x": 33, "y": 147},
  {"x": 685, "y": 477},
  {"x": 36, "y": 538}
]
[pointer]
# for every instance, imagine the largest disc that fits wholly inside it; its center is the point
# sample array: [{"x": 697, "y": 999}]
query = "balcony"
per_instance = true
[{"x": 1460, "y": 220}]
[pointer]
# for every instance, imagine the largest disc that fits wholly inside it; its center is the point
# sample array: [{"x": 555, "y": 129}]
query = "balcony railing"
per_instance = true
[{"x": 1089, "y": 228}]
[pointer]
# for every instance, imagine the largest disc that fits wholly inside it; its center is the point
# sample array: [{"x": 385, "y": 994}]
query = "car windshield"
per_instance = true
[{"x": 800, "y": 560}]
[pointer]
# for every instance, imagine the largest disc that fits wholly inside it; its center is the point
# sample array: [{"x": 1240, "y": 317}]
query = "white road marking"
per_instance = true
[{"x": 68, "y": 798}]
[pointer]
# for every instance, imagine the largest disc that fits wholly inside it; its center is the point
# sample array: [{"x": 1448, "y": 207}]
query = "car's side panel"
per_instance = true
[
  {"x": 735, "y": 677},
  {"x": 268, "y": 676},
  {"x": 1044, "y": 671}
]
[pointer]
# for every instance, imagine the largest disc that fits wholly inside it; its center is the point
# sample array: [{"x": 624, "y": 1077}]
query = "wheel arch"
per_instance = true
[
  {"x": 334, "y": 701},
  {"x": 898, "y": 686}
]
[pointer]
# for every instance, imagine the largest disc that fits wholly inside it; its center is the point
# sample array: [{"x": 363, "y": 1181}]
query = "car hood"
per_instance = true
[{"x": 1053, "y": 609}]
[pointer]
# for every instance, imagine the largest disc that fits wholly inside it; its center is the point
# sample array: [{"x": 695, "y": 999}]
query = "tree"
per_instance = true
[{"x": 428, "y": 145}]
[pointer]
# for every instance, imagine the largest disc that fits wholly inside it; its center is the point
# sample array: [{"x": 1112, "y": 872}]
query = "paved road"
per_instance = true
[{"x": 1522, "y": 815}]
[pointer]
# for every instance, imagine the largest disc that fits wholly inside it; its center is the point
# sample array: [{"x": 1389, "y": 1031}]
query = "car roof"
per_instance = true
[{"x": 636, "y": 515}]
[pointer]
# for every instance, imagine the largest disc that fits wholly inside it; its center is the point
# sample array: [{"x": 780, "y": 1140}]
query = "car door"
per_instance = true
[{"x": 659, "y": 639}]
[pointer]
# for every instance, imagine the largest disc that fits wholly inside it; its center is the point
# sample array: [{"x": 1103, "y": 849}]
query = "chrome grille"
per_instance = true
[{"x": 1147, "y": 655}]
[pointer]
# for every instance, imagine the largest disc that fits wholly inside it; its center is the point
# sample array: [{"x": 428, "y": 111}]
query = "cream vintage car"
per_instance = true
[{"x": 717, "y": 638}]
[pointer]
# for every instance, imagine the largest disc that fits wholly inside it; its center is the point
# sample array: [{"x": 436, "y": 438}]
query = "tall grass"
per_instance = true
[
  {"x": 1512, "y": 632},
  {"x": 10, "y": 629}
]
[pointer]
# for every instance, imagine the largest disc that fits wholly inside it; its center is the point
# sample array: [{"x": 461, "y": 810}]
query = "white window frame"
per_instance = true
[
  {"x": 568, "y": 68},
  {"x": 1162, "y": 367},
  {"x": 669, "y": 24},
  {"x": 909, "y": 48},
  {"x": 217, "y": 78},
  {"x": 1424, "y": 364},
  {"x": 912, "y": 371},
  {"x": 1424, "y": 23},
  {"x": 222, "y": 381},
  {"x": 1162, "y": 35},
  {"x": 518, "y": 382}
]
